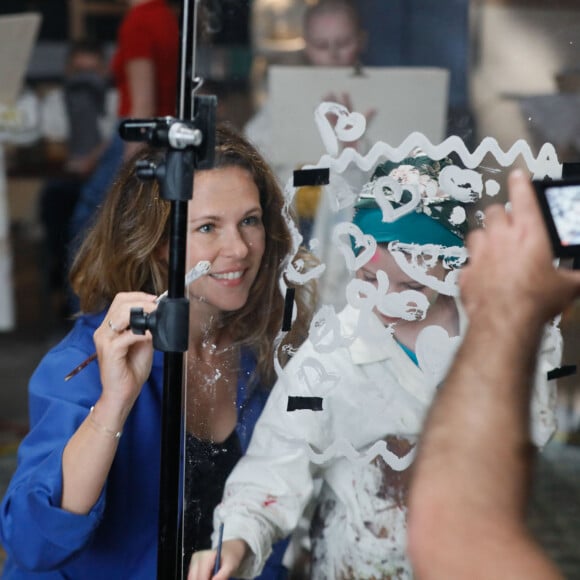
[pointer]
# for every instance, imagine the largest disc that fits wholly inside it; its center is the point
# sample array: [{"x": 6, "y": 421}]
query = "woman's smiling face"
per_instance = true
[{"x": 225, "y": 227}]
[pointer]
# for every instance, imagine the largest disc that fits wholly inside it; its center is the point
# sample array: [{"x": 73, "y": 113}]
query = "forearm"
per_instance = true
[
  {"x": 265, "y": 494},
  {"x": 125, "y": 361},
  {"x": 88, "y": 457},
  {"x": 467, "y": 499},
  {"x": 474, "y": 461},
  {"x": 479, "y": 428},
  {"x": 141, "y": 78},
  {"x": 259, "y": 518}
]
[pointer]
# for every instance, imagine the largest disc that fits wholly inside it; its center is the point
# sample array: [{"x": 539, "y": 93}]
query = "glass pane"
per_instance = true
[{"x": 421, "y": 126}]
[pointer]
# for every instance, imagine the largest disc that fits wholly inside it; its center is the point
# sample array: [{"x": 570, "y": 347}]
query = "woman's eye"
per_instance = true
[
  {"x": 369, "y": 277},
  {"x": 206, "y": 228},
  {"x": 252, "y": 220}
]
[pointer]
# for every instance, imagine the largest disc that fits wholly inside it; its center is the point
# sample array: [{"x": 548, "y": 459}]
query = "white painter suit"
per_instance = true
[{"x": 356, "y": 450}]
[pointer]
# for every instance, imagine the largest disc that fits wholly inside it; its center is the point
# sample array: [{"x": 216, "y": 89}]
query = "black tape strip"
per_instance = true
[
  {"x": 570, "y": 170},
  {"x": 304, "y": 404},
  {"x": 560, "y": 372},
  {"x": 304, "y": 177},
  {"x": 288, "y": 308}
]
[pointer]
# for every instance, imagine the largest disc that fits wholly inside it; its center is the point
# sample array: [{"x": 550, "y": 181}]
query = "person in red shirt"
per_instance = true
[
  {"x": 145, "y": 63},
  {"x": 145, "y": 68}
]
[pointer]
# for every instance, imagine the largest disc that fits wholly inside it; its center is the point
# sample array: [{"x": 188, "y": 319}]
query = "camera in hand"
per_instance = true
[{"x": 560, "y": 204}]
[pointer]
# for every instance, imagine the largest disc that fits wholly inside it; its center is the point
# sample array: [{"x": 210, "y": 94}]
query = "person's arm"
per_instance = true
[
  {"x": 141, "y": 80},
  {"x": 55, "y": 499},
  {"x": 470, "y": 485},
  {"x": 124, "y": 363},
  {"x": 264, "y": 498},
  {"x": 468, "y": 494},
  {"x": 35, "y": 531}
]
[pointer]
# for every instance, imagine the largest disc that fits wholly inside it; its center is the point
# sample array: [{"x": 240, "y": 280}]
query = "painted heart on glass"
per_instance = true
[
  {"x": 407, "y": 305},
  {"x": 349, "y": 126},
  {"x": 394, "y": 193},
  {"x": 314, "y": 376},
  {"x": 435, "y": 349},
  {"x": 325, "y": 333},
  {"x": 341, "y": 236}
]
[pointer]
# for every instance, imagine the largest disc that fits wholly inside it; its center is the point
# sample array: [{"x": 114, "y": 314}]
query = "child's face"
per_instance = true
[
  {"x": 398, "y": 280},
  {"x": 332, "y": 39}
]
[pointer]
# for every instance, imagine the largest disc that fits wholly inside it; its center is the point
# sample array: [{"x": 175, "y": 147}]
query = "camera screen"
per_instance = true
[
  {"x": 564, "y": 202},
  {"x": 560, "y": 204}
]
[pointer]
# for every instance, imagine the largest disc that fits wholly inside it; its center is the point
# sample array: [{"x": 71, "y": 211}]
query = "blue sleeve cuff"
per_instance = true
[{"x": 46, "y": 535}]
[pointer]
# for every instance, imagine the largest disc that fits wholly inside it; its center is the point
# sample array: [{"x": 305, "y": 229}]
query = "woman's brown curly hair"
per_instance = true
[{"x": 123, "y": 252}]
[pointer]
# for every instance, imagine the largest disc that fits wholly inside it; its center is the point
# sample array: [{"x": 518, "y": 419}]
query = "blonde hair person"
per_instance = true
[{"x": 333, "y": 37}]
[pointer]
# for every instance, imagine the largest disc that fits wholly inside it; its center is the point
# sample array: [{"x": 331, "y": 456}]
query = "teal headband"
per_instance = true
[{"x": 412, "y": 228}]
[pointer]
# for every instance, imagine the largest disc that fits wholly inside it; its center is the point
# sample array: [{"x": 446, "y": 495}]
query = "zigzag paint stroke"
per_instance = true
[
  {"x": 544, "y": 165},
  {"x": 343, "y": 448}
]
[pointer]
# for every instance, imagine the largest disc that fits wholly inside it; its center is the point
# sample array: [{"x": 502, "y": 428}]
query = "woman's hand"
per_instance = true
[
  {"x": 125, "y": 363},
  {"x": 203, "y": 562},
  {"x": 124, "y": 358}
]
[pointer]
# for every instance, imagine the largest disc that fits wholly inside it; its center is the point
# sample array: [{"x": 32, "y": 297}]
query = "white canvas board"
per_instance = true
[
  {"x": 18, "y": 34},
  {"x": 406, "y": 99}
]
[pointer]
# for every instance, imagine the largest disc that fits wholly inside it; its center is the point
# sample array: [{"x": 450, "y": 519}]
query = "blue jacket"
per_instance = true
[{"x": 117, "y": 539}]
